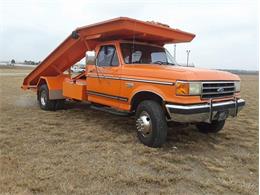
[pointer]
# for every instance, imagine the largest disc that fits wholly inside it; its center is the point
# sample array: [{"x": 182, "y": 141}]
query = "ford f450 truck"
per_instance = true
[{"x": 134, "y": 74}]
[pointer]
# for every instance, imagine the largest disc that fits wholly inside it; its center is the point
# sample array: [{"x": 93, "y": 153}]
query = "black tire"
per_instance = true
[
  {"x": 213, "y": 127},
  {"x": 43, "y": 99},
  {"x": 153, "y": 111},
  {"x": 60, "y": 104}
]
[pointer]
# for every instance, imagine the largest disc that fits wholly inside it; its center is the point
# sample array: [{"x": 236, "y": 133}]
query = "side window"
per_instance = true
[
  {"x": 114, "y": 60},
  {"x": 107, "y": 56}
]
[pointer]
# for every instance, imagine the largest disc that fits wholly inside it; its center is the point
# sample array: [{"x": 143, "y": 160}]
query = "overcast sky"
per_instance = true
[{"x": 226, "y": 30}]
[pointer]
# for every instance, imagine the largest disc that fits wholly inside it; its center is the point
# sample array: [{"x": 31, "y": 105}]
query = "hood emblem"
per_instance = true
[{"x": 220, "y": 90}]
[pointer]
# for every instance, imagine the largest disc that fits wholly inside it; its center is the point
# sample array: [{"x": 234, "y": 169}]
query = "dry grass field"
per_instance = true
[{"x": 82, "y": 151}]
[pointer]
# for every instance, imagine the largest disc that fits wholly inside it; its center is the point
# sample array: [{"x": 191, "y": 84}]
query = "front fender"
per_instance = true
[{"x": 148, "y": 88}]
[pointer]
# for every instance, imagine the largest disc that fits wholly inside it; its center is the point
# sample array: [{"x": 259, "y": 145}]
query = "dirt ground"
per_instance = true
[{"x": 82, "y": 151}]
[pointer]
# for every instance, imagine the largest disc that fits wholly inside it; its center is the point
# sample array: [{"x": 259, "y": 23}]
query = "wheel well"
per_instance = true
[
  {"x": 144, "y": 95},
  {"x": 39, "y": 84}
]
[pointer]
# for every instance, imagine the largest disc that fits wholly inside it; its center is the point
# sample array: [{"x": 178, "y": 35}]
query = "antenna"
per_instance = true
[
  {"x": 133, "y": 46},
  {"x": 96, "y": 68},
  {"x": 175, "y": 52},
  {"x": 188, "y": 54}
]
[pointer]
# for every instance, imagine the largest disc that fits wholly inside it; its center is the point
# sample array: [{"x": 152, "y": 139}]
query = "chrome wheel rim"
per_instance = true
[
  {"x": 43, "y": 98},
  {"x": 144, "y": 124}
]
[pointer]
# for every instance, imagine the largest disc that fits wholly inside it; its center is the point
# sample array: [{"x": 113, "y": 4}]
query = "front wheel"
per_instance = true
[
  {"x": 213, "y": 127},
  {"x": 151, "y": 124}
]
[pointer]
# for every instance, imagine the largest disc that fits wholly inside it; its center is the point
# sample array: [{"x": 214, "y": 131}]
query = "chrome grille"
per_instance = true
[{"x": 217, "y": 89}]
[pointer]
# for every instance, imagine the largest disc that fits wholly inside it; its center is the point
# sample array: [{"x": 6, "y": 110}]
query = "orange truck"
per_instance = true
[{"x": 133, "y": 74}]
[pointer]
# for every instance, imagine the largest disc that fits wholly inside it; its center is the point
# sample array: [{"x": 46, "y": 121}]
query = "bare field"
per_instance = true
[{"x": 82, "y": 151}]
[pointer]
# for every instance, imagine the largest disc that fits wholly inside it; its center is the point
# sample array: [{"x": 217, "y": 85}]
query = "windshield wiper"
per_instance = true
[
  {"x": 163, "y": 63},
  {"x": 169, "y": 63},
  {"x": 159, "y": 62}
]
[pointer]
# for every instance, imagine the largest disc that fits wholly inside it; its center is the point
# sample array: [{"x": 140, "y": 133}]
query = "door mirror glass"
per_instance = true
[{"x": 90, "y": 57}]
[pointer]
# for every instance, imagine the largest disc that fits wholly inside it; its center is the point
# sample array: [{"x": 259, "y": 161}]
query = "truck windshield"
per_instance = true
[{"x": 146, "y": 54}]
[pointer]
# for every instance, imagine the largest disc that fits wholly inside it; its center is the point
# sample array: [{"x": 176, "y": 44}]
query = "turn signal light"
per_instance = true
[{"x": 182, "y": 88}]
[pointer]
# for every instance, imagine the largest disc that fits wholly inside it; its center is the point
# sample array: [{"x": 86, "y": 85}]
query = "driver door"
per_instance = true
[{"x": 104, "y": 78}]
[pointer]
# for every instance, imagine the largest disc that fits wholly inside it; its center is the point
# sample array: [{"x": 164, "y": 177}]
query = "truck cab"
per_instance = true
[{"x": 138, "y": 76}]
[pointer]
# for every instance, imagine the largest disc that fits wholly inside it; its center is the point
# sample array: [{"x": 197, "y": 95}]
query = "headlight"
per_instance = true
[
  {"x": 188, "y": 88},
  {"x": 237, "y": 86},
  {"x": 195, "y": 88}
]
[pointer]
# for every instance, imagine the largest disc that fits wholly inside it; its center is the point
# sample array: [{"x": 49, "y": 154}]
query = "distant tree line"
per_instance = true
[{"x": 30, "y": 62}]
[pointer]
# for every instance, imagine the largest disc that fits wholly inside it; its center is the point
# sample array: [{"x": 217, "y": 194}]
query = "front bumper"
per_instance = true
[{"x": 205, "y": 112}]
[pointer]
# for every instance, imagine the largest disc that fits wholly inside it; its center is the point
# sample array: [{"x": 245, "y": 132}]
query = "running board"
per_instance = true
[{"x": 111, "y": 110}]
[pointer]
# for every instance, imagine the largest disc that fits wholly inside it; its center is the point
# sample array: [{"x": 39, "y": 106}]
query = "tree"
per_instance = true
[{"x": 12, "y": 62}]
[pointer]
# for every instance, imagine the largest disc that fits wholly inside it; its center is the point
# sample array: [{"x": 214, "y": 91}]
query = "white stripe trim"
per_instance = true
[{"x": 131, "y": 79}]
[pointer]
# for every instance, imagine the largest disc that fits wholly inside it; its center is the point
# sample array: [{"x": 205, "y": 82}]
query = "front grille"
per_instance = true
[{"x": 217, "y": 89}]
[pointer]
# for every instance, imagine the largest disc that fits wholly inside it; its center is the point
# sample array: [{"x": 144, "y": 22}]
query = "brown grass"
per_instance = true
[{"x": 83, "y": 151}]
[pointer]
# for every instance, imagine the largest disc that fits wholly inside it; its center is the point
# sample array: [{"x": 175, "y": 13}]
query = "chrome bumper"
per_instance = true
[{"x": 205, "y": 112}]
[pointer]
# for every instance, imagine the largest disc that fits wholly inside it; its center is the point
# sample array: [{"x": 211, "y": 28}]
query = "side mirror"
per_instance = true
[
  {"x": 86, "y": 59},
  {"x": 90, "y": 58}
]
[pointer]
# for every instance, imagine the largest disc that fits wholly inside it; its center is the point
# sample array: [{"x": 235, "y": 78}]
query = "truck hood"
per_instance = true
[{"x": 173, "y": 73}]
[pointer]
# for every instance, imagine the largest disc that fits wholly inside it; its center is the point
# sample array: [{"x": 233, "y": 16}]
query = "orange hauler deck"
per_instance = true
[
  {"x": 86, "y": 38},
  {"x": 134, "y": 74}
]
